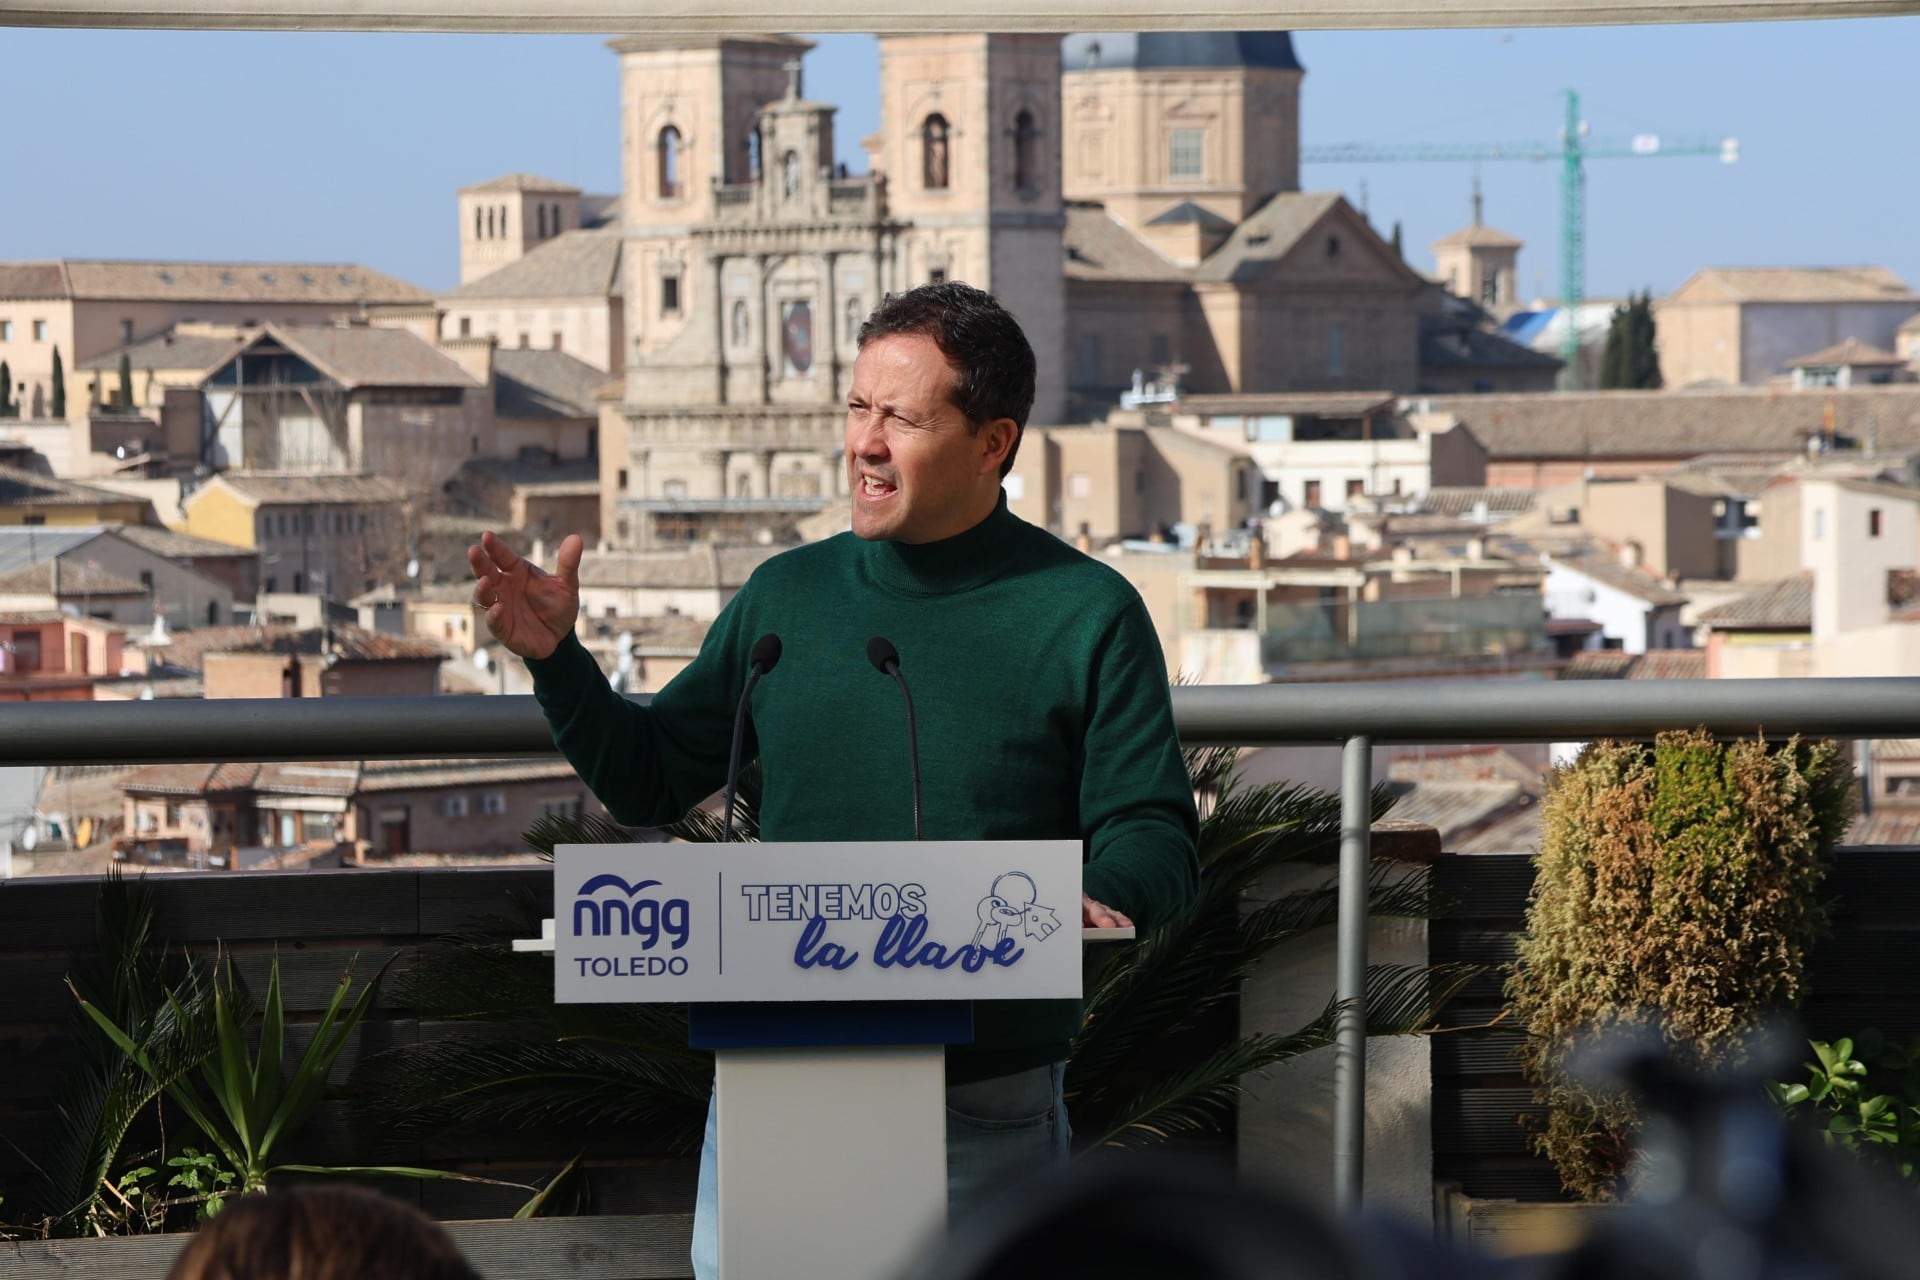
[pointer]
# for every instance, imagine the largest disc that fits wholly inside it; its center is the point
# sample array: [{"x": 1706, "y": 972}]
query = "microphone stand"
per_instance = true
[
  {"x": 765, "y": 656},
  {"x": 886, "y": 660}
]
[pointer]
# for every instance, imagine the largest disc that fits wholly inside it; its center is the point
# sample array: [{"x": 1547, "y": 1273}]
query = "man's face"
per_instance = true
[{"x": 918, "y": 474}]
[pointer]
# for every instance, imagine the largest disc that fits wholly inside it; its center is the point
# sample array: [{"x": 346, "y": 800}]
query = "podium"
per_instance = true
[{"x": 828, "y": 979}]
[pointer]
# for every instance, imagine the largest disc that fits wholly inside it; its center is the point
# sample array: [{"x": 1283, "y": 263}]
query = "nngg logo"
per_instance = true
[{"x": 629, "y": 915}]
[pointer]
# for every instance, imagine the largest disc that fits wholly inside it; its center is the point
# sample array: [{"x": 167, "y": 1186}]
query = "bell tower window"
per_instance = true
[
  {"x": 935, "y": 140},
  {"x": 668, "y": 149},
  {"x": 1025, "y": 143}
]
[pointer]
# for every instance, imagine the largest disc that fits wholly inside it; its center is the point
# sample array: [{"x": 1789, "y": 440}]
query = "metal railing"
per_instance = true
[{"x": 1354, "y": 716}]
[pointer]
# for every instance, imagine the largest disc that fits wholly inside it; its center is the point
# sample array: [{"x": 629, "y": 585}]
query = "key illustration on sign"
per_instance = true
[{"x": 1011, "y": 906}]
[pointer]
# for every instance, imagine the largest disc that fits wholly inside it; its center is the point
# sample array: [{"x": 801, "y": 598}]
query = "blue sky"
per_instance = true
[{"x": 336, "y": 147}]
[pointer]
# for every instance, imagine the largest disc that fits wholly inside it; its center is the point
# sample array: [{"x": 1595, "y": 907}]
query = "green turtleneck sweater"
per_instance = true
[{"x": 1041, "y": 701}]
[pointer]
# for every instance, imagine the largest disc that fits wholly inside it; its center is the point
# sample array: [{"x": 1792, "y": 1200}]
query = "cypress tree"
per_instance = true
[
  {"x": 1630, "y": 361},
  {"x": 6, "y": 390},
  {"x": 59, "y": 405},
  {"x": 124, "y": 400},
  {"x": 1645, "y": 367},
  {"x": 1398, "y": 251},
  {"x": 1613, "y": 360}
]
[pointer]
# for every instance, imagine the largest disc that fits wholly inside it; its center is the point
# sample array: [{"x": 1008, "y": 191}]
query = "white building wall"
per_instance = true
[
  {"x": 1849, "y": 563},
  {"x": 1378, "y": 465},
  {"x": 1568, "y": 593}
]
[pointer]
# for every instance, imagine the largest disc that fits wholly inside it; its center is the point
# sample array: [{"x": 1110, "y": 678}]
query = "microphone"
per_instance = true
[
  {"x": 765, "y": 656},
  {"x": 886, "y": 660}
]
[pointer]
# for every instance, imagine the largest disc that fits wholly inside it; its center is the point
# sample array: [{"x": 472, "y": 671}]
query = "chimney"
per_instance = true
[
  {"x": 1631, "y": 554},
  {"x": 1476, "y": 548},
  {"x": 473, "y": 355},
  {"x": 1257, "y": 550},
  {"x": 1342, "y": 547}
]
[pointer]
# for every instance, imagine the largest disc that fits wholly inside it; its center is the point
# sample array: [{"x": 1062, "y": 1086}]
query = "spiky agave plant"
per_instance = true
[{"x": 539, "y": 1065}]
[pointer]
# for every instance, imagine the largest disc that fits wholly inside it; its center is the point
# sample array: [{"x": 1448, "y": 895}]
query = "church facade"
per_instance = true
[{"x": 1132, "y": 198}]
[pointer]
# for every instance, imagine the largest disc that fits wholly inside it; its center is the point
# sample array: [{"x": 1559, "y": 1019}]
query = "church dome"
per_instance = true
[{"x": 1145, "y": 50}]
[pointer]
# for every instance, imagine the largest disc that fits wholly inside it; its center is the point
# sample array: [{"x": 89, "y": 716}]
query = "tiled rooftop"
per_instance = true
[
  {"x": 1679, "y": 425},
  {"x": 1785, "y": 605},
  {"x": 345, "y": 284},
  {"x": 188, "y": 649},
  {"x": 576, "y": 264},
  {"x": 284, "y": 487}
]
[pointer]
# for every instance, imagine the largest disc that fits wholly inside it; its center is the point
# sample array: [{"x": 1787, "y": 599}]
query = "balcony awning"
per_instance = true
[{"x": 679, "y": 16}]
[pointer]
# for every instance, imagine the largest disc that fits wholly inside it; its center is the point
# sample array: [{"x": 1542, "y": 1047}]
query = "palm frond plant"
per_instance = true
[
  {"x": 1140, "y": 1072},
  {"x": 165, "y": 1004},
  {"x": 531, "y": 1063},
  {"x": 1138, "y": 1075}
]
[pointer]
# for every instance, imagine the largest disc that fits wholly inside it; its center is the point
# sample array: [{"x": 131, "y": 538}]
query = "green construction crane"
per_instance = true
[{"x": 1572, "y": 151}]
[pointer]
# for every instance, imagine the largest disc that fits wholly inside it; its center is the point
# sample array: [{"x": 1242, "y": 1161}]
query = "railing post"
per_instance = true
[{"x": 1350, "y": 979}]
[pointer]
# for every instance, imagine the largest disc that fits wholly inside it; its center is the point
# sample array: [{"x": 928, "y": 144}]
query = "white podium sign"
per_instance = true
[{"x": 929, "y": 920}]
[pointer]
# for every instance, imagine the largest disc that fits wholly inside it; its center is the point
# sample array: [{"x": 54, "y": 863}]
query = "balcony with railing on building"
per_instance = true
[{"x": 1336, "y": 610}]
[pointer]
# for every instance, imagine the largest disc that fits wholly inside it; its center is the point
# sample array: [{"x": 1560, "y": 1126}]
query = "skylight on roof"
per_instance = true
[
  {"x": 266, "y": 277},
  {"x": 166, "y": 277},
  {"x": 226, "y": 277}
]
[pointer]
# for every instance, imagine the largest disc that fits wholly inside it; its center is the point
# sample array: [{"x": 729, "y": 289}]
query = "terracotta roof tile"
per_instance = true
[
  {"x": 1269, "y": 234},
  {"x": 1678, "y": 425},
  {"x": 1851, "y": 352},
  {"x": 346, "y": 285},
  {"x": 363, "y": 356},
  {"x": 188, "y": 649},
  {"x": 531, "y": 383},
  {"x": 698, "y": 566},
  {"x": 1479, "y": 237},
  {"x": 1793, "y": 284},
  {"x": 284, "y": 487},
  {"x": 1785, "y": 605},
  {"x": 523, "y": 182},
  {"x": 1655, "y": 664},
  {"x": 1602, "y": 563},
  {"x": 1098, "y": 247},
  {"x": 577, "y": 264},
  {"x": 1461, "y": 501},
  {"x": 178, "y": 546},
  {"x": 68, "y": 580},
  {"x": 199, "y": 352},
  {"x": 30, "y": 489},
  {"x": 34, "y": 281},
  {"x": 404, "y": 775}
]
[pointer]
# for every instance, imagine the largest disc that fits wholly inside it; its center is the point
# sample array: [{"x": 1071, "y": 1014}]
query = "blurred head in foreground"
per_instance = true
[{"x": 321, "y": 1233}]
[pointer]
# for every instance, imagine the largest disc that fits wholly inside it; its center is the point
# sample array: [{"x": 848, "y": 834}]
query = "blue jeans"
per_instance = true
[{"x": 998, "y": 1130}]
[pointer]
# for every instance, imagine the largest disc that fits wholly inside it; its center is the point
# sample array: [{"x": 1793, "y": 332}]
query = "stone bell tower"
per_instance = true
[{"x": 970, "y": 148}]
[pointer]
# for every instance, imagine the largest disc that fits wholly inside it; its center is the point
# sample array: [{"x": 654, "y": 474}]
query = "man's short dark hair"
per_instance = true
[{"x": 993, "y": 364}]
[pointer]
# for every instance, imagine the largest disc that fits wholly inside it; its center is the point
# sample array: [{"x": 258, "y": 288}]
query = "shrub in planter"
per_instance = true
[{"x": 1677, "y": 890}]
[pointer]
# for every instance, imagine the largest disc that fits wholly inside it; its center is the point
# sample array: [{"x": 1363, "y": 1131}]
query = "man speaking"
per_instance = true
[{"x": 1039, "y": 690}]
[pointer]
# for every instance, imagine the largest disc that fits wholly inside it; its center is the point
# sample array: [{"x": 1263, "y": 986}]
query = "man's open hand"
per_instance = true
[{"x": 528, "y": 609}]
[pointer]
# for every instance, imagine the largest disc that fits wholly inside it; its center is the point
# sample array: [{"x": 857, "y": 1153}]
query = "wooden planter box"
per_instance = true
[
  {"x": 1513, "y": 1228},
  {"x": 638, "y": 1247}
]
